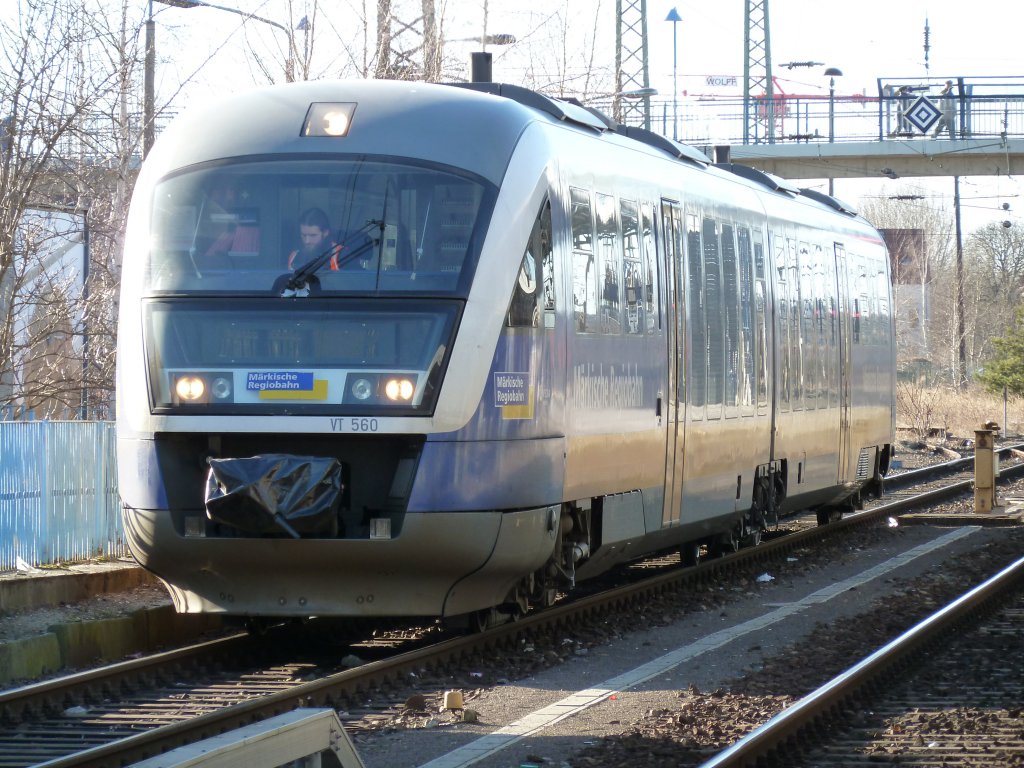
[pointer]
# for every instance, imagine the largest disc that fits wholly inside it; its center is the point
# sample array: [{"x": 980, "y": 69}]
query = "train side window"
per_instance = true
[
  {"x": 744, "y": 260},
  {"x": 652, "y": 270},
  {"x": 731, "y": 316},
  {"x": 713, "y": 315},
  {"x": 632, "y": 267},
  {"x": 796, "y": 374},
  {"x": 547, "y": 273},
  {"x": 831, "y": 328},
  {"x": 865, "y": 306},
  {"x": 584, "y": 277},
  {"x": 532, "y": 296},
  {"x": 818, "y": 332},
  {"x": 610, "y": 270},
  {"x": 782, "y": 315},
  {"x": 698, "y": 329},
  {"x": 808, "y": 350},
  {"x": 761, "y": 323},
  {"x": 861, "y": 314},
  {"x": 884, "y": 316}
]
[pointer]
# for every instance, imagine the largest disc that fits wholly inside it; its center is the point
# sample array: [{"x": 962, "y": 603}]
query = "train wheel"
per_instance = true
[
  {"x": 726, "y": 543},
  {"x": 751, "y": 536},
  {"x": 257, "y": 626},
  {"x": 481, "y": 621},
  {"x": 689, "y": 553},
  {"x": 828, "y": 515}
]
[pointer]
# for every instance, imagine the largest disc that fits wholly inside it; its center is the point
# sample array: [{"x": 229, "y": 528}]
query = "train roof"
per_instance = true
[
  {"x": 450, "y": 126},
  {"x": 475, "y": 126},
  {"x": 570, "y": 111}
]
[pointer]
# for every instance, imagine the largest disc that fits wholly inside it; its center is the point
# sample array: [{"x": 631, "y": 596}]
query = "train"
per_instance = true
[{"x": 532, "y": 344}]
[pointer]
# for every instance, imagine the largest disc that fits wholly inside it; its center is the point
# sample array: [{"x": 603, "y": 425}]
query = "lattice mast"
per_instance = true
[
  {"x": 631, "y": 70},
  {"x": 758, "y": 124},
  {"x": 407, "y": 50}
]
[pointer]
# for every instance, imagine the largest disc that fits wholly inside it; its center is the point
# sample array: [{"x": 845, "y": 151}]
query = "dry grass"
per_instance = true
[{"x": 938, "y": 412}]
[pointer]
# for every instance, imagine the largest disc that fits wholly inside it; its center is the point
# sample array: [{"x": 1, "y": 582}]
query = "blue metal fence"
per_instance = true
[{"x": 58, "y": 492}]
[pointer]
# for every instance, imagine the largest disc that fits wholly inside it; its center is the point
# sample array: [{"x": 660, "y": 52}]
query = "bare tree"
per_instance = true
[
  {"x": 994, "y": 273},
  {"x": 59, "y": 84},
  {"x": 998, "y": 252},
  {"x": 565, "y": 52}
]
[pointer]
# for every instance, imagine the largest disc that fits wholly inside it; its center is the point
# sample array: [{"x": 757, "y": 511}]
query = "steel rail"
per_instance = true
[
  {"x": 39, "y": 695},
  {"x": 912, "y": 476},
  {"x": 765, "y": 742}
]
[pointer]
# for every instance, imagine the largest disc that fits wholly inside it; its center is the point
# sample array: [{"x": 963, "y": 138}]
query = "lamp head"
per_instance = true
[
  {"x": 638, "y": 93},
  {"x": 673, "y": 16},
  {"x": 501, "y": 39}
]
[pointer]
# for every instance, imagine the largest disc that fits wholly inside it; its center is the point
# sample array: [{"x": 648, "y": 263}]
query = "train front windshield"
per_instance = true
[
  {"x": 386, "y": 226},
  {"x": 390, "y": 248}
]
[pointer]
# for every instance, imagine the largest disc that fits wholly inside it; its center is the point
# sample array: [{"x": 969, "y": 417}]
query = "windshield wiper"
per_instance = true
[{"x": 300, "y": 282}]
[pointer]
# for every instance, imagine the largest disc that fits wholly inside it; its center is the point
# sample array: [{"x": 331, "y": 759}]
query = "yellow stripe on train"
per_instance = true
[{"x": 318, "y": 392}]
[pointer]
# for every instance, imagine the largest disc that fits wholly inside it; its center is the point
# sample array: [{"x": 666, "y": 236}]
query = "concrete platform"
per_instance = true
[
  {"x": 999, "y": 517},
  {"x": 89, "y": 643},
  {"x": 20, "y": 590},
  {"x": 79, "y": 643}
]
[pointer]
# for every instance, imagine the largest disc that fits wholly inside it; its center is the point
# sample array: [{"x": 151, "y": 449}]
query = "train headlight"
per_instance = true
[
  {"x": 328, "y": 118},
  {"x": 399, "y": 390},
  {"x": 221, "y": 389},
  {"x": 362, "y": 389},
  {"x": 389, "y": 390},
  {"x": 190, "y": 389}
]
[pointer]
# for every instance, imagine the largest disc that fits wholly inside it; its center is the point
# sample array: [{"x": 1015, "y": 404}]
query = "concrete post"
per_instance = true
[{"x": 984, "y": 471}]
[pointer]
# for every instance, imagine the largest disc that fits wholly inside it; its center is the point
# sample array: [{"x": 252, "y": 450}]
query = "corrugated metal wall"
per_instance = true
[{"x": 58, "y": 492}]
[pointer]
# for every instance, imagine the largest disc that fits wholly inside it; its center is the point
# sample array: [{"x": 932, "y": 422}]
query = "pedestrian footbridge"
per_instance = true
[
  {"x": 939, "y": 126},
  {"x": 988, "y": 156}
]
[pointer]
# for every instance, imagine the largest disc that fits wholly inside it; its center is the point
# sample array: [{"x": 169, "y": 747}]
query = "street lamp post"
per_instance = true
[
  {"x": 148, "y": 97},
  {"x": 674, "y": 17},
  {"x": 832, "y": 73},
  {"x": 961, "y": 336},
  {"x": 148, "y": 103},
  {"x": 289, "y": 70}
]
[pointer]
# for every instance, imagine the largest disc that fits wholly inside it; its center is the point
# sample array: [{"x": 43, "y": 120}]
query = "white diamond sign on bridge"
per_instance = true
[{"x": 923, "y": 114}]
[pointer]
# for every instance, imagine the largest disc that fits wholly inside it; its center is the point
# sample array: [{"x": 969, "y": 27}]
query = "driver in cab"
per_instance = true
[{"x": 315, "y": 239}]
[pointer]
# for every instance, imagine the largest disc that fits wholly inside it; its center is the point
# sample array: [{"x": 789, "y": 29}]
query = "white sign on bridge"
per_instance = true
[{"x": 923, "y": 114}]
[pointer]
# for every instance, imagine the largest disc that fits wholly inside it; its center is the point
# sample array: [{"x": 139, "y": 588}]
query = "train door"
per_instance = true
[
  {"x": 769, "y": 289},
  {"x": 674, "y": 386},
  {"x": 844, "y": 331}
]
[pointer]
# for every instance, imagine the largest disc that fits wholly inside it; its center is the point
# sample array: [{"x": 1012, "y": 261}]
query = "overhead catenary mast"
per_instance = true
[
  {"x": 757, "y": 74},
  {"x": 631, "y": 67}
]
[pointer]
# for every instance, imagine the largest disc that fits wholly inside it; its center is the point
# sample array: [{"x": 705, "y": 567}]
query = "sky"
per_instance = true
[
  {"x": 204, "y": 53},
  {"x": 867, "y": 39}
]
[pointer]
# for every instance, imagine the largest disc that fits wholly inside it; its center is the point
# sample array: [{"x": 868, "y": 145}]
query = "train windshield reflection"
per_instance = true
[{"x": 386, "y": 226}]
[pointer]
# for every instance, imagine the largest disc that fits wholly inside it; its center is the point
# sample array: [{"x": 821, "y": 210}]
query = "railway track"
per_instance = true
[
  {"x": 947, "y": 692},
  {"x": 1009, "y": 456},
  {"x": 140, "y": 708}
]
